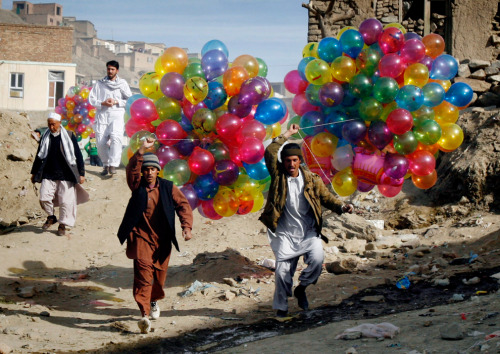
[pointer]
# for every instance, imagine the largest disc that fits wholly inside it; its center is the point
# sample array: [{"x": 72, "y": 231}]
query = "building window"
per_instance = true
[
  {"x": 56, "y": 87},
  {"x": 16, "y": 85},
  {"x": 58, "y": 11}
]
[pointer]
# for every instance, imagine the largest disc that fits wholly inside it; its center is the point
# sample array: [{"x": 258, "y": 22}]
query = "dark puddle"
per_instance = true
[{"x": 421, "y": 294}]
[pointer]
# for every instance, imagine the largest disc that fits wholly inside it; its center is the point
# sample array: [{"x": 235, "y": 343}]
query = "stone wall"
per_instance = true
[
  {"x": 483, "y": 77},
  {"x": 50, "y": 44}
]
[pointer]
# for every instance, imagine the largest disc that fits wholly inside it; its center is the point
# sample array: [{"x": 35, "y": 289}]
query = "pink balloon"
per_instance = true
[
  {"x": 169, "y": 132},
  {"x": 206, "y": 209},
  {"x": 399, "y": 121},
  {"x": 189, "y": 109},
  {"x": 391, "y": 65},
  {"x": 166, "y": 154},
  {"x": 201, "y": 161},
  {"x": 389, "y": 191},
  {"x": 251, "y": 129},
  {"x": 251, "y": 150},
  {"x": 301, "y": 105},
  {"x": 143, "y": 111},
  {"x": 413, "y": 51},
  {"x": 132, "y": 127},
  {"x": 227, "y": 126},
  {"x": 422, "y": 162},
  {"x": 294, "y": 83}
]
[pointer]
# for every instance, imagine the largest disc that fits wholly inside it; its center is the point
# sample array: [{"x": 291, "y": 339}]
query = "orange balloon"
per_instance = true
[
  {"x": 174, "y": 59},
  {"x": 445, "y": 84},
  {"x": 233, "y": 78},
  {"x": 434, "y": 45},
  {"x": 431, "y": 148},
  {"x": 250, "y": 64},
  {"x": 425, "y": 182},
  {"x": 446, "y": 113}
]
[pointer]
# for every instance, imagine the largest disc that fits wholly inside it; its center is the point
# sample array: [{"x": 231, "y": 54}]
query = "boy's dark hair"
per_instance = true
[{"x": 114, "y": 64}]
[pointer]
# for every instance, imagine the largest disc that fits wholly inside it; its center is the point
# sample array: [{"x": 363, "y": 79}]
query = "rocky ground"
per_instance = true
[{"x": 73, "y": 293}]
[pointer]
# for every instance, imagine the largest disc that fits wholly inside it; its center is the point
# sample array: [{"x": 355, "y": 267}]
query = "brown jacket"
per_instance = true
[{"x": 315, "y": 190}]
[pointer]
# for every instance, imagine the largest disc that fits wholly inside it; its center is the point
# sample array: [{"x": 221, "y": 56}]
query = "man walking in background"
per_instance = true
[
  {"x": 293, "y": 217},
  {"x": 149, "y": 228},
  {"x": 109, "y": 97},
  {"x": 60, "y": 168}
]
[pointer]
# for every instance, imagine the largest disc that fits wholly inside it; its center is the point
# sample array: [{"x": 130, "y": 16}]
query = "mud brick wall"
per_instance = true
[{"x": 50, "y": 44}]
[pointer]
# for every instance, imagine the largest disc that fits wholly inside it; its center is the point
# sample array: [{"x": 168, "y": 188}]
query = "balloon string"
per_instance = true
[{"x": 312, "y": 126}]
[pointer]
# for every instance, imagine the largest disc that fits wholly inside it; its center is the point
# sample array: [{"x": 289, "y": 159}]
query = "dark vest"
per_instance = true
[{"x": 137, "y": 205}]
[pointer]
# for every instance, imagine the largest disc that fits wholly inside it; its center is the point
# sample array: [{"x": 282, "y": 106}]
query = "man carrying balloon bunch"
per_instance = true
[
  {"x": 293, "y": 217},
  {"x": 109, "y": 97},
  {"x": 149, "y": 228}
]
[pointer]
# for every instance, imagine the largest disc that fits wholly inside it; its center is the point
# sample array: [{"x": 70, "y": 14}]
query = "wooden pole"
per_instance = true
[{"x": 427, "y": 17}]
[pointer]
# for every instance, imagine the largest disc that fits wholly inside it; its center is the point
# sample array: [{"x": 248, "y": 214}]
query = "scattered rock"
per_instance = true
[
  {"x": 451, "y": 331},
  {"x": 332, "y": 250},
  {"x": 27, "y": 292},
  {"x": 457, "y": 298},
  {"x": 441, "y": 282},
  {"x": 373, "y": 298},
  {"x": 489, "y": 71},
  {"x": 344, "y": 266},
  {"x": 230, "y": 281},
  {"x": 45, "y": 314},
  {"x": 488, "y": 99},
  {"x": 351, "y": 350},
  {"x": 228, "y": 295},
  {"x": 463, "y": 70},
  {"x": 476, "y": 64},
  {"x": 354, "y": 246},
  {"x": 479, "y": 74},
  {"x": 22, "y": 220},
  {"x": 19, "y": 155},
  {"x": 4, "y": 348},
  {"x": 476, "y": 85},
  {"x": 471, "y": 281},
  {"x": 370, "y": 247}
]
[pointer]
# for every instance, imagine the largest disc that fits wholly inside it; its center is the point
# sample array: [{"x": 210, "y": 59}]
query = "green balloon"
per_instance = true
[
  {"x": 312, "y": 94},
  {"x": 168, "y": 108},
  {"x": 294, "y": 120},
  {"x": 262, "y": 67},
  {"x": 194, "y": 60},
  {"x": 367, "y": 61},
  {"x": 427, "y": 132},
  {"x": 219, "y": 150},
  {"x": 177, "y": 171},
  {"x": 361, "y": 86},
  {"x": 203, "y": 121},
  {"x": 387, "y": 110},
  {"x": 385, "y": 89},
  {"x": 406, "y": 143},
  {"x": 422, "y": 114},
  {"x": 192, "y": 70},
  {"x": 370, "y": 109}
]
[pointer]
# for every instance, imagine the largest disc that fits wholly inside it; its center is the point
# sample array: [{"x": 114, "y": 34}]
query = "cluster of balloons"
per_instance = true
[
  {"x": 212, "y": 119},
  {"x": 375, "y": 106},
  {"x": 76, "y": 111}
]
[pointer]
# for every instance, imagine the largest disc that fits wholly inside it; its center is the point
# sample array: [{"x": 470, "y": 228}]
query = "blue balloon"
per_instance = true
[
  {"x": 214, "y": 63},
  {"x": 257, "y": 171},
  {"x": 459, "y": 94},
  {"x": 185, "y": 123},
  {"x": 302, "y": 67},
  {"x": 352, "y": 42},
  {"x": 205, "y": 187},
  {"x": 444, "y": 67},
  {"x": 329, "y": 48},
  {"x": 311, "y": 123},
  {"x": 354, "y": 131},
  {"x": 214, "y": 44},
  {"x": 434, "y": 94},
  {"x": 270, "y": 111},
  {"x": 337, "y": 120},
  {"x": 410, "y": 97},
  {"x": 131, "y": 100},
  {"x": 216, "y": 97}
]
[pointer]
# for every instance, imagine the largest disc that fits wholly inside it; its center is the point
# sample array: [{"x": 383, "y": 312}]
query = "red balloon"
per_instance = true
[
  {"x": 234, "y": 154},
  {"x": 251, "y": 150},
  {"x": 189, "y": 109},
  {"x": 399, "y": 121},
  {"x": 251, "y": 129},
  {"x": 169, "y": 132},
  {"x": 132, "y": 127},
  {"x": 389, "y": 191},
  {"x": 301, "y": 105},
  {"x": 227, "y": 126},
  {"x": 206, "y": 209},
  {"x": 294, "y": 83},
  {"x": 143, "y": 111},
  {"x": 201, "y": 161},
  {"x": 422, "y": 162}
]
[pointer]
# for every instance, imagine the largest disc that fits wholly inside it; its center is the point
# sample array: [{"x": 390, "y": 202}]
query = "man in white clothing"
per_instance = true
[{"x": 109, "y": 97}]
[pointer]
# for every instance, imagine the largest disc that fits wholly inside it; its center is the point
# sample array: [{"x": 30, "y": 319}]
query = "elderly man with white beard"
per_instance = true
[
  {"x": 60, "y": 168},
  {"x": 109, "y": 96}
]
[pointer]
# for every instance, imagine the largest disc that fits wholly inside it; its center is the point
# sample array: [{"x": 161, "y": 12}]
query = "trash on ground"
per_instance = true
[
  {"x": 195, "y": 286},
  {"x": 371, "y": 330}
]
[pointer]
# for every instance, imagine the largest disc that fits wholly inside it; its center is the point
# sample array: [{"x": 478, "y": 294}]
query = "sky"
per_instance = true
[{"x": 273, "y": 30}]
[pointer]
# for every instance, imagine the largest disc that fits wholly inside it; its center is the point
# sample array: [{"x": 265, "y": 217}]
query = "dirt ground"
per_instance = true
[{"x": 73, "y": 293}]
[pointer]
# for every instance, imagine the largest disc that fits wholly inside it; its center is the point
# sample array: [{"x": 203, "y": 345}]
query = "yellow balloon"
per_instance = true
[
  {"x": 445, "y": 84},
  {"x": 344, "y": 182},
  {"x": 416, "y": 74},
  {"x": 310, "y": 50},
  {"x": 276, "y": 130},
  {"x": 318, "y": 72},
  {"x": 343, "y": 68},
  {"x": 225, "y": 202},
  {"x": 397, "y": 25},
  {"x": 149, "y": 84},
  {"x": 345, "y": 29},
  {"x": 249, "y": 62},
  {"x": 195, "y": 90},
  {"x": 258, "y": 202},
  {"x": 452, "y": 137},
  {"x": 174, "y": 59},
  {"x": 159, "y": 68},
  {"x": 324, "y": 144},
  {"x": 446, "y": 113}
]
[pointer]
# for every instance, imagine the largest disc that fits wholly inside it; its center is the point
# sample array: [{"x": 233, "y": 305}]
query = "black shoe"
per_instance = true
[
  {"x": 104, "y": 171},
  {"x": 61, "y": 230},
  {"x": 51, "y": 220},
  {"x": 300, "y": 294},
  {"x": 281, "y": 313}
]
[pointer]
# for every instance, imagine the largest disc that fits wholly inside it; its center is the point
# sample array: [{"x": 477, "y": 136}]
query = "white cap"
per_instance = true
[{"x": 54, "y": 115}]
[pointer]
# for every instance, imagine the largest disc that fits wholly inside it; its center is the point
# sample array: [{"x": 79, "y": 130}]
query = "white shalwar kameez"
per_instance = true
[
  {"x": 109, "y": 124},
  {"x": 295, "y": 236}
]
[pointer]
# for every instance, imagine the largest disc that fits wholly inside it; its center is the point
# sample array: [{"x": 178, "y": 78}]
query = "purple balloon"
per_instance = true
[
  {"x": 214, "y": 63},
  {"x": 331, "y": 94},
  {"x": 190, "y": 195},
  {"x": 365, "y": 187},
  {"x": 354, "y": 131},
  {"x": 254, "y": 90},
  {"x": 238, "y": 109},
  {"x": 187, "y": 145},
  {"x": 396, "y": 166},
  {"x": 370, "y": 30},
  {"x": 166, "y": 154},
  {"x": 172, "y": 85},
  {"x": 427, "y": 61},
  {"x": 225, "y": 172},
  {"x": 412, "y": 35},
  {"x": 379, "y": 134}
]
